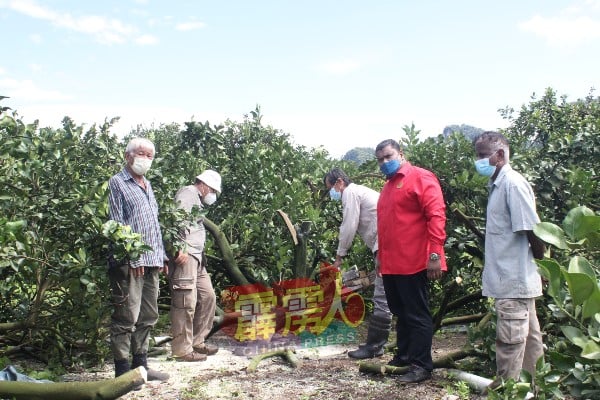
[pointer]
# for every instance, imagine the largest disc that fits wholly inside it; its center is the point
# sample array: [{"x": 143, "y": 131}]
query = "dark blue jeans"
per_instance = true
[{"x": 408, "y": 299}]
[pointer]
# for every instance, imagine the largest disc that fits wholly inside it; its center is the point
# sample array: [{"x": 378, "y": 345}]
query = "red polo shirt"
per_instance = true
[{"x": 411, "y": 221}]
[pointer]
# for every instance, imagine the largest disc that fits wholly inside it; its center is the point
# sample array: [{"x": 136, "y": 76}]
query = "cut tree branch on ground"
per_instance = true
[
  {"x": 287, "y": 354},
  {"x": 448, "y": 361},
  {"x": 99, "y": 390}
]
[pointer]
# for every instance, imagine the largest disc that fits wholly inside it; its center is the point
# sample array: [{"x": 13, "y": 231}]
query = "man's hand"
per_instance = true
[
  {"x": 338, "y": 262},
  {"x": 136, "y": 272},
  {"x": 434, "y": 269},
  {"x": 181, "y": 258}
]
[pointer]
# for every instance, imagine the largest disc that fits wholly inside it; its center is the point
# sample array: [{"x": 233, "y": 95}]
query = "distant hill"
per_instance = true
[
  {"x": 470, "y": 132},
  {"x": 359, "y": 155}
]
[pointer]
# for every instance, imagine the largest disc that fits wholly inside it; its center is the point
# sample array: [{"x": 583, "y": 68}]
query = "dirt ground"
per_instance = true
[{"x": 324, "y": 372}]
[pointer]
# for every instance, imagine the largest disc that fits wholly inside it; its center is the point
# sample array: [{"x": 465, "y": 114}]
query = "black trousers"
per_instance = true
[{"x": 408, "y": 299}]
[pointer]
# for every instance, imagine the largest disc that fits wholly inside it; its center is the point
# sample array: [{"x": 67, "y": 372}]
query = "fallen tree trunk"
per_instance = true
[
  {"x": 98, "y": 390},
  {"x": 448, "y": 361},
  {"x": 287, "y": 354}
]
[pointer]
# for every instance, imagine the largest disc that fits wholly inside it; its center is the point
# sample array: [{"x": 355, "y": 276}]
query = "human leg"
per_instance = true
[
  {"x": 126, "y": 292},
  {"x": 396, "y": 307},
  {"x": 379, "y": 325},
  {"x": 183, "y": 305},
  {"x": 206, "y": 304},
  {"x": 512, "y": 326},
  {"x": 413, "y": 290},
  {"x": 534, "y": 347}
]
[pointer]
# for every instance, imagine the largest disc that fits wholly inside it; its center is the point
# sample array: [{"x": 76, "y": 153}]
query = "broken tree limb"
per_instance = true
[
  {"x": 463, "y": 319},
  {"x": 287, "y": 354},
  {"x": 448, "y": 361},
  {"x": 98, "y": 390}
]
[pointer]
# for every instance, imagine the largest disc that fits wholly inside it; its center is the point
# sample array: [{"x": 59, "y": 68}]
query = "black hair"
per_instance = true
[
  {"x": 386, "y": 143},
  {"x": 332, "y": 176}
]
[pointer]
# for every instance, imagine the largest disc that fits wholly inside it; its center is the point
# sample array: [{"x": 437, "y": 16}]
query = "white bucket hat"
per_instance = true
[{"x": 212, "y": 179}]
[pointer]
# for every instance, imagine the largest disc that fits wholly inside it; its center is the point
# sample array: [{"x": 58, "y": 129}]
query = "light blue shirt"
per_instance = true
[{"x": 510, "y": 270}]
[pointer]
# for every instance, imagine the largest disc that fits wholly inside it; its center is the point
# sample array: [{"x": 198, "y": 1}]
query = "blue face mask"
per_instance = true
[
  {"x": 389, "y": 168},
  {"x": 484, "y": 168},
  {"x": 334, "y": 194}
]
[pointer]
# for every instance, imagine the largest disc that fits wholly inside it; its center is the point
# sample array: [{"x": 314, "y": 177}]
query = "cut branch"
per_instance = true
[
  {"x": 105, "y": 390},
  {"x": 287, "y": 354}
]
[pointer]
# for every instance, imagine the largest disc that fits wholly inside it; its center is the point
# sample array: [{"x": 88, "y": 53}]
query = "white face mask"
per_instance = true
[
  {"x": 141, "y": 165},
  {"x": 209, "y": 199}
]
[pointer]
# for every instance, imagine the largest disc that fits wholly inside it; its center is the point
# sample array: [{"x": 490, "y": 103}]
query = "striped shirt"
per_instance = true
[{"x": 130, "y": 204}]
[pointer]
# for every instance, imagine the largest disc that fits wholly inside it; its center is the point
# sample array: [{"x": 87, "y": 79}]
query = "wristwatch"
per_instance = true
[{"x": 434, "y": 257}]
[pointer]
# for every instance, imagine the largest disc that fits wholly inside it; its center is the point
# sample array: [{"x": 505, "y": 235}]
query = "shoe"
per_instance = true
[
  {"x": 366, "y": 351},
  {"x": 154, "y": 375},
  {"x": 415, "y": 374},
  {"x": 206, "y": 348},
  {"x": 398, "y": 362},
  {"x": 192, "y": 356}
]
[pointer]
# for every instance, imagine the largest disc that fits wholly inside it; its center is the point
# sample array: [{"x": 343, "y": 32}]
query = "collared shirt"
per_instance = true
[
  {"x": 359, "y": 214},
  {"x": 510, "y": 270},
  {"x": 411, "y": 216},
  {"x": 130, "y": 204},
  {"x": 195, "y": 234}
]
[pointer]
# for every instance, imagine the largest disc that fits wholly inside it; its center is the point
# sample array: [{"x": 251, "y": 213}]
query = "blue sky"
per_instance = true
[{"x": 336, "y": 74}]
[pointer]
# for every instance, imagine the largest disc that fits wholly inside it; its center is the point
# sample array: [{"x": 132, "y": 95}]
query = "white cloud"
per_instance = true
[
  {"x": 340, "y": 67},
  {"x": 27, "y": 91},
  {"x": 105, "y": 30},
  {"x": 146, "y": 40},
  {"x": 190, "y": 26},
  {"x": 575, "y": 25}
]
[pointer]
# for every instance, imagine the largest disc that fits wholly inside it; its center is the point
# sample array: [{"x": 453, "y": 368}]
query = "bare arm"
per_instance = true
[{"x": 538, "y": 247}]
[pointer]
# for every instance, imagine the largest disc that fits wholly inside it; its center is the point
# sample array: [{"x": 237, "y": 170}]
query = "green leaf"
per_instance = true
[
  {"x": 581, "y": 286},
  {"x": 551, "y": 234},
  {"x": 591, "y": 307},
  {"x": 574, "y": 335},
  {"x": 581, "y": 265},
  {"x": 551, "y": 270},
  {"x": 591, "y": 350},
  {"x": 575, "y": 225}
]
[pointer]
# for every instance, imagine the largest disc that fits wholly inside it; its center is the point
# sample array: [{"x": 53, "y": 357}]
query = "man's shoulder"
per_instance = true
[
  {"x": 120, "y": 176},
  {"x": 186, "y": 191}
]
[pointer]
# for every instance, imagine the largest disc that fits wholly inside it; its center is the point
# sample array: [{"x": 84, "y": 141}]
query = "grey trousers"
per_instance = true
[
  {"x": 380, "y": 305},
  {"x": 518, "y": 337},
  {"x": 135, "y": 310},
  {"x": 193, "y": 304}
]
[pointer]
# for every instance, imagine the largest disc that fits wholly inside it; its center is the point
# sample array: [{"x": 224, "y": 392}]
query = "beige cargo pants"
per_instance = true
[
  {"x": 193, "y": 304},
  {"x": 518, "y": 337}
]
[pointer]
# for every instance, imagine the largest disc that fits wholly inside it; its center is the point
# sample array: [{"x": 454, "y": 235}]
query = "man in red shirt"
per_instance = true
[{"x": 411, "y": 220}]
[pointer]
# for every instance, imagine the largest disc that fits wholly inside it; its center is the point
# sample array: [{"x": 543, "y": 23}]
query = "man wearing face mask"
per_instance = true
[
  {"x": 411, "y": 233},
  {"x": 510, "y": 274},
  {"x": 359, "y": 214},
  {"x": 193, "y": 299},
  {"x": 134, "y": 284}
]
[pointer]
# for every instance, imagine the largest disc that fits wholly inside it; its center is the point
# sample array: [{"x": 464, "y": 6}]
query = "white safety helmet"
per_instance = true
[{"x": 212, "y": 179}]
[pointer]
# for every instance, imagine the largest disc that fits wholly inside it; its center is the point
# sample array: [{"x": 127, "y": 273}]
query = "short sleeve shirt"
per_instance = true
[
  {"x": 510, "y": 270},
  {"x": 195, "y": 234}
]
